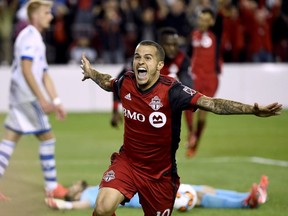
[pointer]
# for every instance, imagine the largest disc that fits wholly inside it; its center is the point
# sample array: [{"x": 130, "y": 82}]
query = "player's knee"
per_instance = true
[{"x": 103, "y": 210}]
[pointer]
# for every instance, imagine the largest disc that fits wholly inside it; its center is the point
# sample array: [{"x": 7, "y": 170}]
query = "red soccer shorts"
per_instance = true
[{"x": 156, "y": 195}]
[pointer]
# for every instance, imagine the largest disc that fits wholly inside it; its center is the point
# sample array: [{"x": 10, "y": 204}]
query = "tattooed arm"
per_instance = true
[
  {"x": 228, "y": 107},
  {"x": 103, "y": 80}
]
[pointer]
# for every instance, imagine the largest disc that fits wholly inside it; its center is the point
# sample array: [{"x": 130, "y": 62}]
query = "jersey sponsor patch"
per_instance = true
[
  {"x": 133, "y": 115},
  {"x": 110, "y": 175},
  {"x": 189, "y": 91},
  {"x": 157, "y": 119},
  {"x": 155, "y": 103}
]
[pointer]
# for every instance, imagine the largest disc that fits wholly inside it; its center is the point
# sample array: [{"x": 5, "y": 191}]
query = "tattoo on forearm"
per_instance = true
[
  {"x": 221, "y": 106},
  {"x": 231, "y": 107},
  {"x": 103, "y": 80}
]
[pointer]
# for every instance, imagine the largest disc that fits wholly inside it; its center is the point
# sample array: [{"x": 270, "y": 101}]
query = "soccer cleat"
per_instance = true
[
  {"x": 191, "y": 145},
  {"x": 55, "y": 203},
  {"x": 262, "y": 189},
  {"x": 58, "y": 192},
  {"x": 252, "y": 199}
]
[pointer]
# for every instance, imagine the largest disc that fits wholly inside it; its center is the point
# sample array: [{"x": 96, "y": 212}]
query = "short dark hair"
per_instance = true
[
  {"x": 210, "y": 11},
  {"x": 160, "y": 50},
  {"x": 71, "y": 197},
  {"x": 166, "y": 31}
]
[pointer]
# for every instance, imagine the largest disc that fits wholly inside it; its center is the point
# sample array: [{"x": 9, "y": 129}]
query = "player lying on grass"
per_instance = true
[{"x": 82, "y": 196}]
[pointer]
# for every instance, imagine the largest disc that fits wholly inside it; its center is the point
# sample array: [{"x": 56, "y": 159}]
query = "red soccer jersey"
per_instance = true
[
  {"x": 153, "y": 122},
  {"x": 179, "y": 68},
  {"x": 204, "y": 55},
  {"x": 172, "y": 67}
]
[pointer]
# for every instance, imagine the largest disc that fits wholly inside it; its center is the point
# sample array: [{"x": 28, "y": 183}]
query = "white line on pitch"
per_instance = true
[
  {"x": 269, "y": 161},
  {"x": 258, "y": 160}
]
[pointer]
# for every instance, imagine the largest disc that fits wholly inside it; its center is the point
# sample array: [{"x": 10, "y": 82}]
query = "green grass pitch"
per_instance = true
[{"x": 233, "y": 154}]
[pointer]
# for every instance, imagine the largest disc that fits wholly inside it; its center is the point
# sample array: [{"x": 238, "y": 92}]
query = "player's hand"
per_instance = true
[
  {"x": 46, "y": 106},
  {"x": 60, "y": 112},
  {"x": 116, "y": 119},
  {"x": 266, "y": 111},
  {"x": 86, "y": 67}
]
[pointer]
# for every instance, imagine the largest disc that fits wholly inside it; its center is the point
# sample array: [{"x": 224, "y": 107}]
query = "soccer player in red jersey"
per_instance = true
[
  {"x": 176, "y": 62},
  {"x": 176, "y": 65},
  {"x": 152, "y": 109},
  {"x": 205, "y": 65}
]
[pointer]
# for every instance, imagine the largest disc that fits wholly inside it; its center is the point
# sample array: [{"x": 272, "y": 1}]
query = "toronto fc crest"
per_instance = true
[
  {"x": 110, "y": 175},
  {"x": 155, "y": 103}
]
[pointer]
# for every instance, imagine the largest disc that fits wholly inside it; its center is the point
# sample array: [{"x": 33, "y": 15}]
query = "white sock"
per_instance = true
[
  {"x": 48, "y": 164},
  {"x": 6, "y": 150}
]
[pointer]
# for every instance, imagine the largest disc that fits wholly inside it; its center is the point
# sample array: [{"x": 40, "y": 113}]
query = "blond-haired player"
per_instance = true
[{"x": 28, "y": 104}]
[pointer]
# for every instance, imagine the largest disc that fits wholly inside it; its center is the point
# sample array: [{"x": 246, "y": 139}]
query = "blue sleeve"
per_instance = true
[
  {"x": 134, "y": 202},
  {"x": 90, "y": 194}
]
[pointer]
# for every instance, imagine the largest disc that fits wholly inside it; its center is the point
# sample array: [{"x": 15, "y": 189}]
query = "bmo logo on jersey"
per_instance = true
[
  {"x": 157, "y": 119},
  {"x": 133, "y": 115}
]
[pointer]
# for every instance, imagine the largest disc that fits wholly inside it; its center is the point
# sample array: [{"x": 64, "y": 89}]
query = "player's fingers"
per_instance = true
[
  {"x": 60, "y": 116},
  {"x": 83, "y": 55},
  {"x": 277, "y": 110},
  {"x": 277, "y": 106},
  {"x": 271, "y": 106}
]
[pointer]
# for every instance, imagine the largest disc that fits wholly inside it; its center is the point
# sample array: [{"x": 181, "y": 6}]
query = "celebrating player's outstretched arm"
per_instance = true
[
  {"x": 226, "y": 107},
  {"x": 152, "y": 105},
  {"x": 103, "y": 80}
]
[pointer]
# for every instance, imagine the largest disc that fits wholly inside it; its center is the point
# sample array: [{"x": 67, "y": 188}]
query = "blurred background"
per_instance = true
[
  {"x": 254, "y": 52},
  {"x": 108, "y": 30}
]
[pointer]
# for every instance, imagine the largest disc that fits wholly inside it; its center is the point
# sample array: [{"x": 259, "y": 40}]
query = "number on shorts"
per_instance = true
[{"x": 165, "y": 213}]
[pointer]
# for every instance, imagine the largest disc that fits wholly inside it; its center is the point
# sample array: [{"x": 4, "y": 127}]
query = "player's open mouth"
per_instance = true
[{"x": 142, "y": 72}]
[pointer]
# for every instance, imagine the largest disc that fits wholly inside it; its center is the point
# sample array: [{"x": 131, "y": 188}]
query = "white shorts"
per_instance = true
[{"x": 27, "y": 118}]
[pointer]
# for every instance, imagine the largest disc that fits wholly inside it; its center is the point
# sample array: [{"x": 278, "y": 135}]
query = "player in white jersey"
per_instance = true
[{"x": 29, "y": 106}]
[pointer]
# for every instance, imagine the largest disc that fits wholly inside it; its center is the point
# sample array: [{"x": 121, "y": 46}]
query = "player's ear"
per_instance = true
[
  {"x": 212, "y": 22},
  {"x": 160, "y": 65}
]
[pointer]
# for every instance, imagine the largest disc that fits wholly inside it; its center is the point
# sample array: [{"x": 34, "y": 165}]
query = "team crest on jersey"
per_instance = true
[
  {"x": 206, "y": 41},
  {"x": 157, "y": 119},
  {"x": 189, "y": 91},
  {"x": 155, "y": 103},
  {"x": 128, "y": 96},
  {"x": 110, "y": 175}
]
